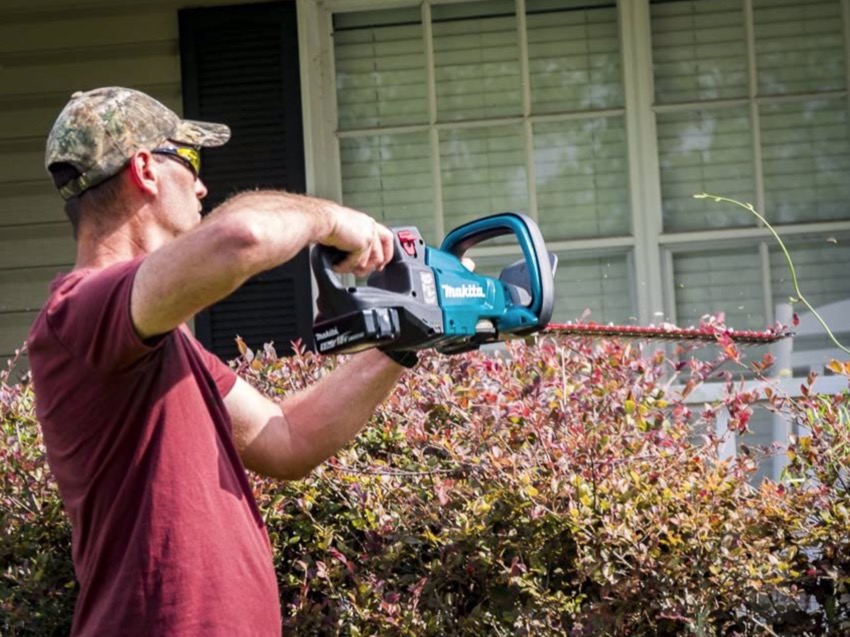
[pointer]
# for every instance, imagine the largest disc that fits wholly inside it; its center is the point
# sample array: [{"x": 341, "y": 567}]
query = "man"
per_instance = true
[{"x": 146, "y": 432}]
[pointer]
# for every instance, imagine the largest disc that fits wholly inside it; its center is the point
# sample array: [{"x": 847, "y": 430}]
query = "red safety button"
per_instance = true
[{"x": 408, "y": 241}]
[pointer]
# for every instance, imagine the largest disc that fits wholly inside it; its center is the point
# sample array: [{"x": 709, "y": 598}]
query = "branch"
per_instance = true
[{"x": 749, "y": 207}]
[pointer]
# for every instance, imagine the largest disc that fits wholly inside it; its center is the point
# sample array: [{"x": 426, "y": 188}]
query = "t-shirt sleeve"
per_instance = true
[
  {"x": 224, "y": 377},
  {"x": 90, "y": 316}
]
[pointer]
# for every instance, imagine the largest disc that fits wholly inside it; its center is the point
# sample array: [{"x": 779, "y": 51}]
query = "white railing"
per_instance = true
[{"x": 788, "y": 374}]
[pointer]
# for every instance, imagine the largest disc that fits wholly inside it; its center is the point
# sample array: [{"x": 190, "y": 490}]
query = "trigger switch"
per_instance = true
[{"x": 408, "y": 242}]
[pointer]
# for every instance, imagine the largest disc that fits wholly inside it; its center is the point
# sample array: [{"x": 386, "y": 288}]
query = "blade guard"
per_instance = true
[{"x": 518, "y": 320}]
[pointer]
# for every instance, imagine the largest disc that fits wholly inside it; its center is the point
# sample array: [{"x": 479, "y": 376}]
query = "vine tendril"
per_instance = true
[{"x": 749, "y": 208}]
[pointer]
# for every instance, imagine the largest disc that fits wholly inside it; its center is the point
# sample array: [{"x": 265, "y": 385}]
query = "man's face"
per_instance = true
[{"x": 182, "y": 190}]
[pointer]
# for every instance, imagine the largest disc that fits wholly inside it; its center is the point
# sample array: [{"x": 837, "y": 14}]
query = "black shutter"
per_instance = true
[{"x": 240, "y": 67}]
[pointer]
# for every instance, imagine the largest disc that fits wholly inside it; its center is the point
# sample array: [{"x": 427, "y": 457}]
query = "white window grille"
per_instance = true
[{"x": 601, "y": 119}]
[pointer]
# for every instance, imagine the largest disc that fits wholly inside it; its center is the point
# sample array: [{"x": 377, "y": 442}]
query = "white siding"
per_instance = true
[{"x": 48, "y": 50}]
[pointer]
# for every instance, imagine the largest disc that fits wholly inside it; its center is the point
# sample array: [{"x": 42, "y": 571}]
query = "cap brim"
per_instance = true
[{"x": 206, "y": 134}]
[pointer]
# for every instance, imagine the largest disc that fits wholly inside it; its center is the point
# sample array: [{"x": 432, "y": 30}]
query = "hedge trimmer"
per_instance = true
[{"x": 428, "y": 298}]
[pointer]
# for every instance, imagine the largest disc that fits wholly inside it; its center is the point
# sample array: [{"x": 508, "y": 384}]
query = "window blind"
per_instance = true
[
  {"x": 700, "y": 55},
  {"x": 573, "y": 56},
  {"x": 821, "y": 269},
  {"x": 799, "y": 46},
  {"x": 728, "y": 281},
  {"x": 582, "y": 178},
  {"x": 483, "y": 172},
  {"x": 601, "y": 285},
  {"x": 575, "y": 65},
  {"x": 380, "y": 69},
  {"x": 699, "y": 50},
  {"x": 708, "y": 150},
  {"x": 806, "y": 160},
  {"x": 389, "y": 176},
  {"x": 476, "y": 60}
]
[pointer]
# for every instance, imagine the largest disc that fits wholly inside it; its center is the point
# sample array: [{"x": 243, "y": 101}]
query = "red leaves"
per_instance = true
[
  {"x": 739, "y": 422},
  {"x": 556, "y": 486},
  {"x": 729, "y": 348},
  {"x": 764, "y": 365},
  {"x": 516, "y": 568},
  {"x": 442, "y": 491},
  {"x": 738, "y": 405}
]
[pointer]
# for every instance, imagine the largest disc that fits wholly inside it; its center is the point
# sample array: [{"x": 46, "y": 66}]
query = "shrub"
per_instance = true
[
  {"x": 555, "y": 490},
  {"x": 820, "y": 465},
  {"x": 37, "y": 585}
]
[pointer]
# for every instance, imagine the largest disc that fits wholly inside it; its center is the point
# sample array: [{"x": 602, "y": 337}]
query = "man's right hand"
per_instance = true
[{"x": 368, "y": 244}]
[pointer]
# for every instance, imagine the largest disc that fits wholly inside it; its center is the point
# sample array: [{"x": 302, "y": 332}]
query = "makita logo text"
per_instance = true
[
  {"x": 327, "y": 333},
  {"x": 465, "y": 291}
]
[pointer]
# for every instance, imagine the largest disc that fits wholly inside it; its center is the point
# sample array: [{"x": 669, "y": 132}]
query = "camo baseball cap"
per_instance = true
[{"x": 98, "y": 131}]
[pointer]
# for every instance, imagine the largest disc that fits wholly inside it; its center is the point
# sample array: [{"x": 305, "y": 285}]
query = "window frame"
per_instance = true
[{"x": 649, "y": 250}]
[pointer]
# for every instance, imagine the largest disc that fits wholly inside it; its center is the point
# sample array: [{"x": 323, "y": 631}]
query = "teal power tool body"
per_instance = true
[{"x": 427, "y": 298}]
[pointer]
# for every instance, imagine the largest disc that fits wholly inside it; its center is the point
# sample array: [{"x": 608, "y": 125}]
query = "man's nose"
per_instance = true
[{"x": 200, "y": 189}]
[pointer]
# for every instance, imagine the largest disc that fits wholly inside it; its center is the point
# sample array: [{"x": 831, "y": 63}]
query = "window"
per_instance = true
[
  {"x": 456, "y": 111},
  {"x": 241, "y": 67},
  {"x": 750, "y": 103},
  {"x": 601, "y": 120}
]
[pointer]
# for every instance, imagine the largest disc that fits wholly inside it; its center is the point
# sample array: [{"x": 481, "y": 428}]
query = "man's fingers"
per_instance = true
[
  {"x": 376, "y": 260},
  {"x": 383, "y": 245},
  {"x": 349, "y": 263},
  {"x": 373, "y": 242},
  {"x": 360, "y": 263},
  {"x": 385, "y": 236}
]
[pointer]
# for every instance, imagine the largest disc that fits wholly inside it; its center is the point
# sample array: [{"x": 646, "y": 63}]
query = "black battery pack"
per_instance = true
[{"x": 357, "y": 331}]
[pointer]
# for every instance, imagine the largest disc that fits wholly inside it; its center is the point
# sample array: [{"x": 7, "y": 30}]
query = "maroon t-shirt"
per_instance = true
[{"x": 167, "y": 537}]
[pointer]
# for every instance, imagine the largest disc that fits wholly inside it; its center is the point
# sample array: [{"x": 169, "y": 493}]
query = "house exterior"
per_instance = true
[{"x": 599, "y": 118}]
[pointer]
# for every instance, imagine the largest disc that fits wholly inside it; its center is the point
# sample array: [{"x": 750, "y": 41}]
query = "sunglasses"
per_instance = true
[{"x": 189, "y": 157}]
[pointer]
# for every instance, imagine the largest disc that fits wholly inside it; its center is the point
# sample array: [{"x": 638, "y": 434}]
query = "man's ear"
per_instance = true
[{"x": 143, "y": 172}]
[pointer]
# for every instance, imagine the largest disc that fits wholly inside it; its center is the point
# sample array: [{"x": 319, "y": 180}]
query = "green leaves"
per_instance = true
[
  {"x": 553, "y": 489},
  {"x": 556, "y": 489},
  {"x": 37, "y": 586}
]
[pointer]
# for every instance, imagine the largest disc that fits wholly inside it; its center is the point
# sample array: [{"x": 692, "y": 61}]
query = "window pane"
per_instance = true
[
  {"x": 821, "y": 269},
  {"x": 699, "y": 50},
  {"x": 720, "y": 281},
  {"x": 573, "y": 56},
  {"x": 380, "y": 69},
  {"x": 483, "y": 172},
  {"x": 806, "y": 159},
  {"x": 389, "y": 176},
  {"x": 476, "y": 60},
  {"x": 582, "y": 178},
  {"x": 601, "y": 285},
  {"x": 705, "y": 151},
  {"x": 799, "y": 46}
]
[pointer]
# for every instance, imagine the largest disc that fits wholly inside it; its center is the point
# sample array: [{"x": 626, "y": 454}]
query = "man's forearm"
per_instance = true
[
  {"x": 327, "y": 415},
  {"x": 250, "y": 233},
  {"x": 281, "y": 223}
]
